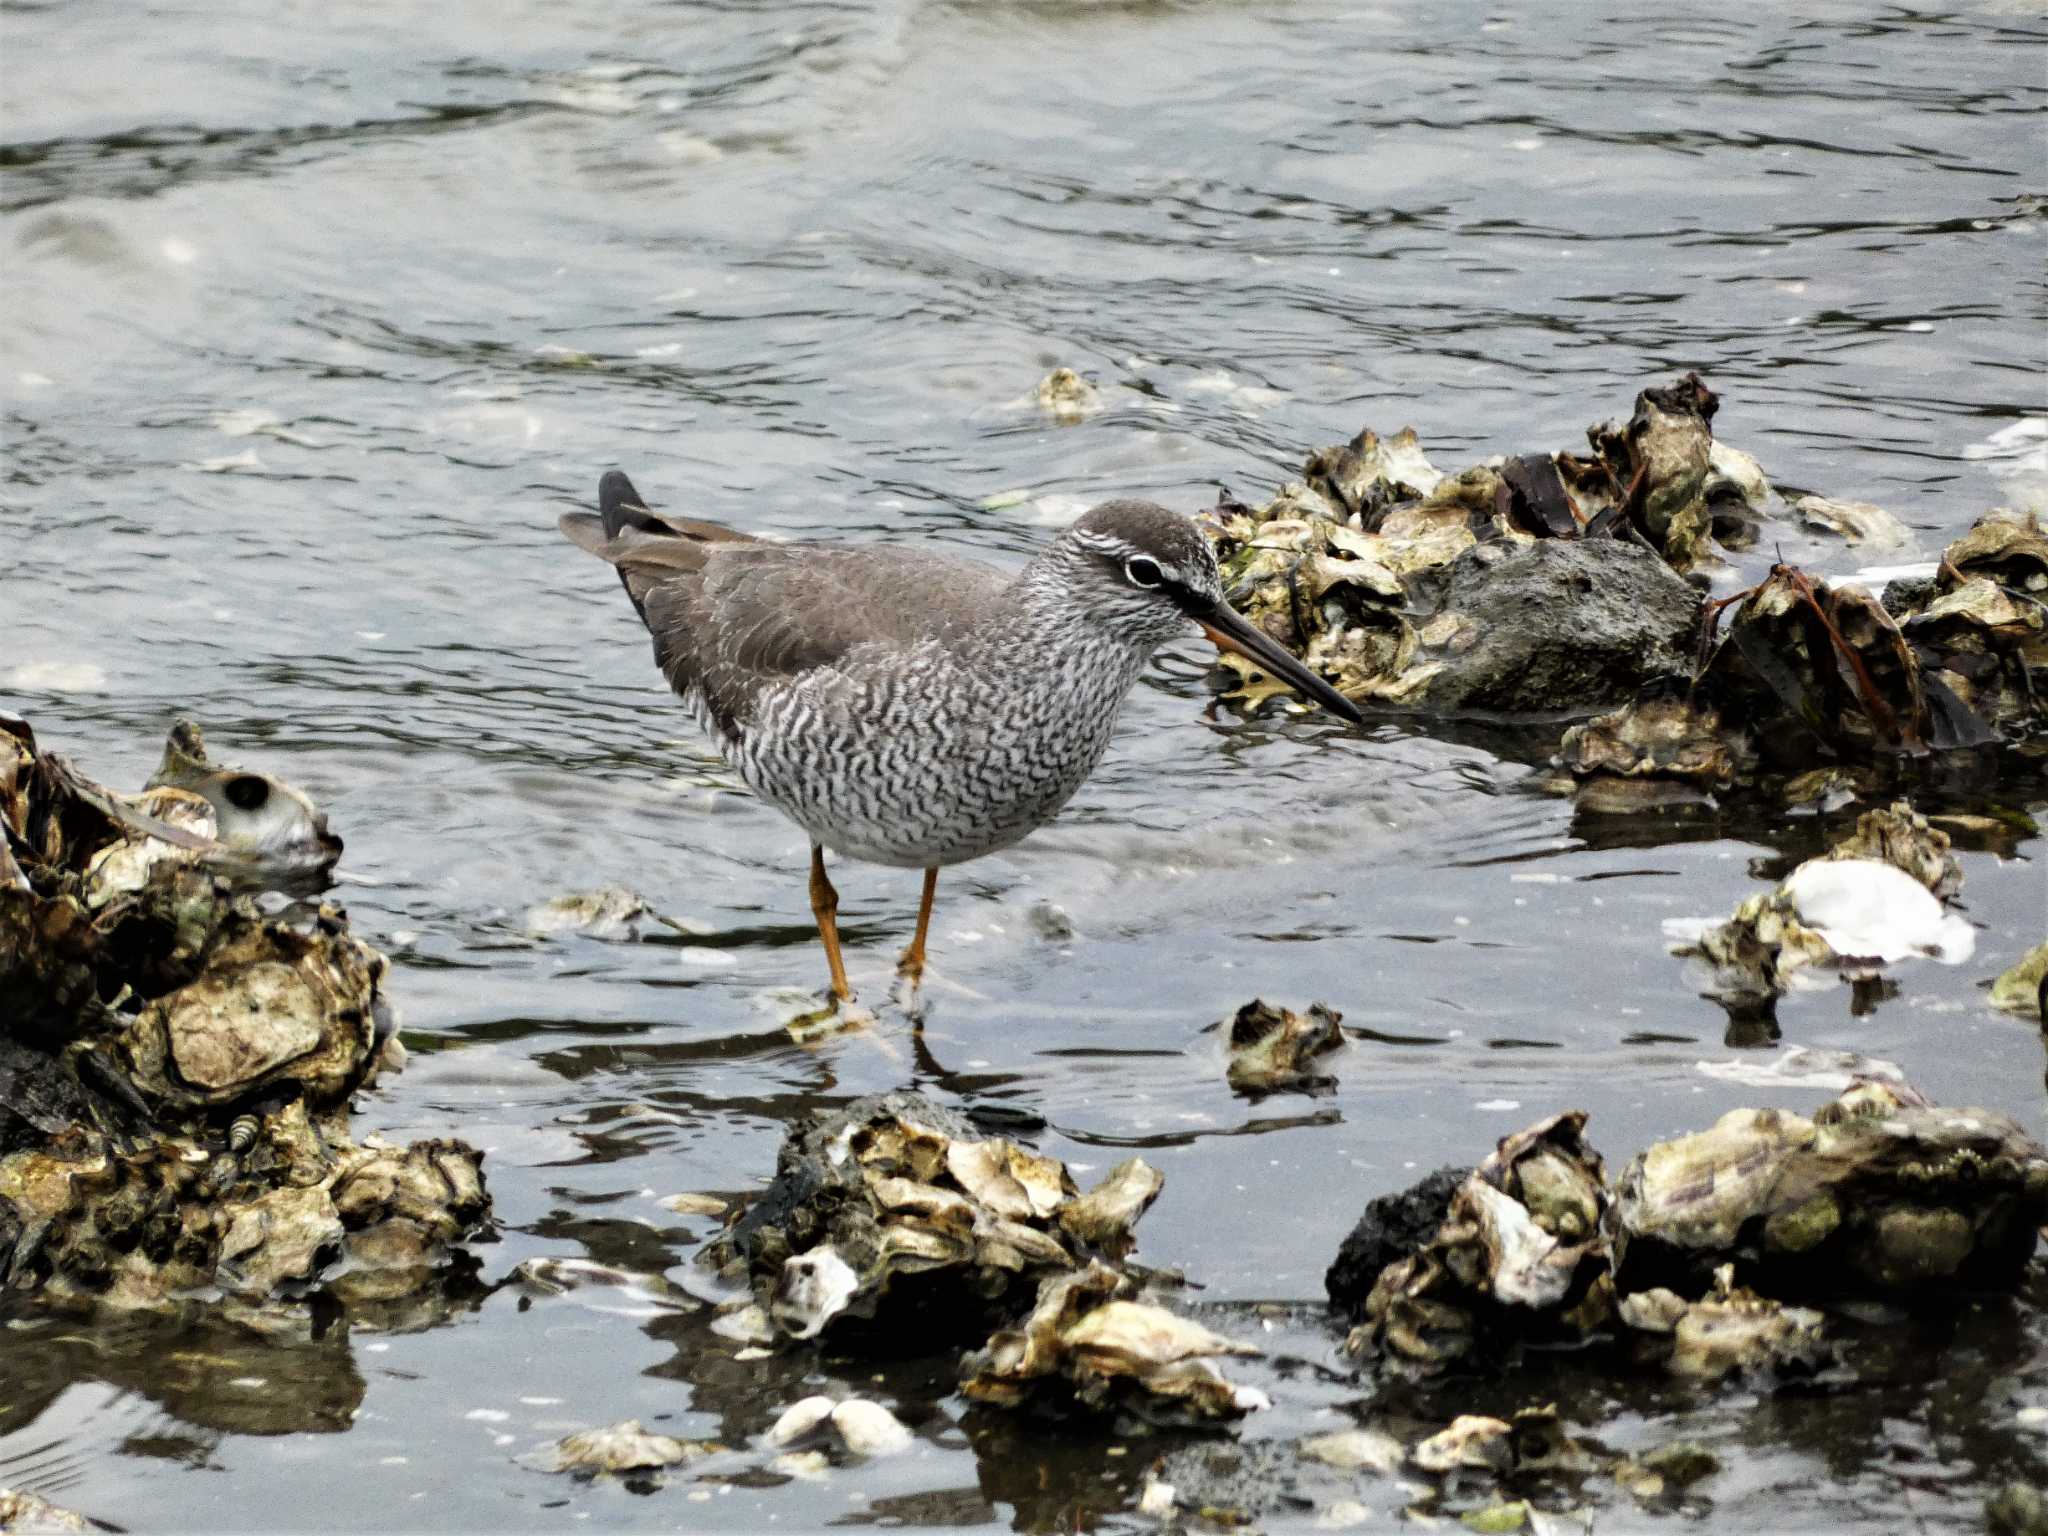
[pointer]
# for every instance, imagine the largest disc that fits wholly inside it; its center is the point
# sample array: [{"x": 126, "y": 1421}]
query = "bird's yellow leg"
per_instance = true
[
  {"x": 911, "y": 966},
  {"x": 825, "y": 907}
]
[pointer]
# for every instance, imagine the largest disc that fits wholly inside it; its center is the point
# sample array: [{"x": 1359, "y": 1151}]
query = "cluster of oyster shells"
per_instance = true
[
  {"x": 1878, "y": 896},
  {"x": 180, "y": 1058},
  {"x": 1703, "y": 1240},
  {"x": 1519, "y": 1251},
  {"x": 895, "y": 1208},
  {"x": 1343, "y": 565},
  {"x": 1807, "y": 671}
]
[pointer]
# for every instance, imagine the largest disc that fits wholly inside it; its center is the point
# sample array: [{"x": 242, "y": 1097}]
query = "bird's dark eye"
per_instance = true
[{"x": 1140, "y": 572}]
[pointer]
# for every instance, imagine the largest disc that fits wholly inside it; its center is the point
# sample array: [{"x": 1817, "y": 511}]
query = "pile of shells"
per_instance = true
[
  {"x": 1880, "y": 1194},
  {"x": 1703, "y": 1239},
  {"x": 896, "y": 1204},
  {"x": 1518, "y": 1253},
  {"x": 1873, "y": 899},
  {"x": 176, "y": 1060},
  {"x": 895, "y": 1212},
  {"x": 1088, "y": 1341},
  {"x": 1808, "y": 673},
  {"x": 1528, "y": 584}
]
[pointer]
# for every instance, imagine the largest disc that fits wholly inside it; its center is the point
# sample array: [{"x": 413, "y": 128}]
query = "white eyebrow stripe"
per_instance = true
[{"x": 1105, "y": 544}]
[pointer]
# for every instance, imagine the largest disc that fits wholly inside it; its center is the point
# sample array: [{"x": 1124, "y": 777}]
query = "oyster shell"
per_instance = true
[
  {"x": 1275, "y": 1049},
  {"x": 2024, "y": 988},
  {"x": 1857, "y": 521},
  {"x": 617, "y": 1448},
  {"x": 1728, "y": 1331},
  {"x": 267, "y": 831},
  {"x": 1087, "y": 1342}
]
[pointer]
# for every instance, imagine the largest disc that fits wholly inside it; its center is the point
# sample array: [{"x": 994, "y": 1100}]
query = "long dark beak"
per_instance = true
[{"x": 1230, "y": 631}]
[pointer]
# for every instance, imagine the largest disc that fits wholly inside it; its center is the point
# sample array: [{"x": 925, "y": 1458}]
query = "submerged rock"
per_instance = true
[
  {"x": 1664, "y": 734},
  {"x": 610, "y": 912}
]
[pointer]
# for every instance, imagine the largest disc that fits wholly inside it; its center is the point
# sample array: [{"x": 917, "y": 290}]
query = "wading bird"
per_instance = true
[{"x": 914, "y": 709}]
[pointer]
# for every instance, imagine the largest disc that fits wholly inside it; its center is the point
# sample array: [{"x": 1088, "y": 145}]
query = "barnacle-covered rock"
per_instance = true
[
  {"x": 1881, "y": 1193},
  {"x": 1519, "y": 1255},
  {"x": 1276, "y": 1049},
  {"x": 1729, "y": 1330},
  {"x": 1087, "y": 1342},
  {"x": 896, "y": 1200}
]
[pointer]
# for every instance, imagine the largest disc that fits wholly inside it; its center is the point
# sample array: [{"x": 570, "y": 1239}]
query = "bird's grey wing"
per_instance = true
[{"x": 760, "y": 614}]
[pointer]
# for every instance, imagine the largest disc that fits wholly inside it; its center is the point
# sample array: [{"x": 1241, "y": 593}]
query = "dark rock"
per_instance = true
[
  {"x": 1392, "y": 1227},
  {"x": 1907, "y": 595},
  {"x": 1563, "y": 626}
]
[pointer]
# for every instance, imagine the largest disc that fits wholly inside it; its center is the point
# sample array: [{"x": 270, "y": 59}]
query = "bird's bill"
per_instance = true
[{"x": 1229, "y": 630}]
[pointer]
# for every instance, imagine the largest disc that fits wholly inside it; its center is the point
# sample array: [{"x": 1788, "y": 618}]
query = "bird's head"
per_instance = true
[{"x": 1143, "y": 572}]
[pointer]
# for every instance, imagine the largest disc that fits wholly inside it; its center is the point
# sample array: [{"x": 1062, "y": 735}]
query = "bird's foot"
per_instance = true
[{"x": 837, "y": 1012}]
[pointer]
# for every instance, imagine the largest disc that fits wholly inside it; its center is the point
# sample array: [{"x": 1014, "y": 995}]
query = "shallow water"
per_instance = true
[{"x": 316, "y": 317}]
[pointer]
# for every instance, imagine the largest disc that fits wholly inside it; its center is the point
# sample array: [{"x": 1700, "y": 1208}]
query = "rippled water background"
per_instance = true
[{"x": 315, "y": 317}]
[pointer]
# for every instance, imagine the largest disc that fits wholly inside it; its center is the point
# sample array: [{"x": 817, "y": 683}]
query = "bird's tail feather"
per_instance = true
[{"x": 645, "y": 546}]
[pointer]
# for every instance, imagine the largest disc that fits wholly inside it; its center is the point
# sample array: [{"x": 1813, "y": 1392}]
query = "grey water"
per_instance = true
[{"x": 316, "y": 316}]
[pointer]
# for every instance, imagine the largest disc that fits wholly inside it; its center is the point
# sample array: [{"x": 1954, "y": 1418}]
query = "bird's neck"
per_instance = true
[{"x": 1083, "y": 668}]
